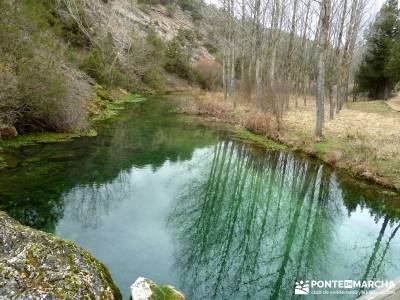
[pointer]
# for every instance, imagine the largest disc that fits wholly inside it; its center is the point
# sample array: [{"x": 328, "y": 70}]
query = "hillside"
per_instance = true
[
  {"x": 63, "y": 61},
  {"x": 125, "y": 18}
]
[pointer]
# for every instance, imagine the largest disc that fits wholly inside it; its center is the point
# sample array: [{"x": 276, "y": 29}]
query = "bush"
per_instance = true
[
  {"x": 196, "y": 15},
  {"x": 209, "y": 73},
  {"x": 187, "y": 4},
  {"x": 93, "y": 65},
  {"x": 154, "y": 80},
  {"x": 145, "y": 60},
  {"x": 34, "y": 91},
  {"x": 170, "y": 10},
  {"x": 176, "y": 61},
  {"x": 103, "y": 65},
  {"x": 149, "y": 2}
]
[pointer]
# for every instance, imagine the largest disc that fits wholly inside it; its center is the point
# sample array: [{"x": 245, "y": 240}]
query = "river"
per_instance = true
[{"x": 161, "y": 195}]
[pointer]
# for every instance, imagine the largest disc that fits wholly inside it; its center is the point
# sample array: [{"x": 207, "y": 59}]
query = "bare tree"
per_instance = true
[{"x": 322, "y": 50}]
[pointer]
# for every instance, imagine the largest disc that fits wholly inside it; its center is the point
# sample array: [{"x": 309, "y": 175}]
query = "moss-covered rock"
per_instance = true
[
  {"x": 38, "y": 265},
  {"x": 146, "y": 289}
]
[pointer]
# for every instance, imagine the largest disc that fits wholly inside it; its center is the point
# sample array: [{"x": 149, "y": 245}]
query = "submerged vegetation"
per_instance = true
[{"x": 30, "y": 139}]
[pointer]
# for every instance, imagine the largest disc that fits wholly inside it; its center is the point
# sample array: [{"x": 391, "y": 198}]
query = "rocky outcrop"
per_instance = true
[
  {"x": 126, "y": 18},
  {"x": 37, "y": 265},
  {"x": 145, "y": 289}
]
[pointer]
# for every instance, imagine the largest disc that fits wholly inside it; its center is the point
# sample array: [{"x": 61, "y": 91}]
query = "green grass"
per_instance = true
[
  {"x": 246, "y": 135},
  {"x": 320, "y": 148},
  {"x": 378, "y": 107}
]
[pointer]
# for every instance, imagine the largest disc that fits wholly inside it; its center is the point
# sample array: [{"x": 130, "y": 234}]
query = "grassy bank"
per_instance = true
[
  {"x": 364, "y": 139},
  {"x": 106, "y": 106}
]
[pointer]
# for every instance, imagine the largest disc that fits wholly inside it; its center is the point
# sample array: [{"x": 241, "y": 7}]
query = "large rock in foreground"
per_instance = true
[{"x": 37, "y": 265}]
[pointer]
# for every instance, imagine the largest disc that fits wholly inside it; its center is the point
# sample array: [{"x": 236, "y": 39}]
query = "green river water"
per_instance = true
[{"x": 163, "y": 196}]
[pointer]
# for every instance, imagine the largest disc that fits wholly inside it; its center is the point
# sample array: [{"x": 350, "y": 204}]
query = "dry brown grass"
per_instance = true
[
  {"x": 394, "y": 102},
  {"x": 364, "y": 137},
  {"x": 214, "y": 105}
]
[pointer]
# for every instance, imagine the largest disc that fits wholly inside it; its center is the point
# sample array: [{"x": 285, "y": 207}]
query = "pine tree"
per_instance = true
[
  {"x": 374, "y": 76},
  {"x": 392, "y": 68}
]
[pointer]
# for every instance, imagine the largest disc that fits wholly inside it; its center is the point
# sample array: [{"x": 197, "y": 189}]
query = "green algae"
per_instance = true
[
  {"x": 3, "y": 163},
  {"x": 111, "y": 108},
  {"x": 164, "y": 292},
  {"x": 30, "y": 139}
]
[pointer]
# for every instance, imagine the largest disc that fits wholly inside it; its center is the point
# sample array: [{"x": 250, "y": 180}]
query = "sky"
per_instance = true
[{"x": 376, "y": 4}]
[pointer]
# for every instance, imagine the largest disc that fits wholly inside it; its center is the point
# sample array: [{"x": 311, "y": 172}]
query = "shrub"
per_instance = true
[
  {"x": 186, "y": 37},
  {"x": 103, "y": 65},
  {"x": 35, "y": 94},
  {"x": 170, "y": 10},
  {"x": 196, "y": 15},
  {"x": 154, "y": 80},
  {"x": 145, "y": 60},
  {"x": 211, "y": 48},
  {"x": 176, "y": 61},
  {"x": 149, "y": 2},
  {"x": 93, "y": 65},
  {"x": 187, "y": 4},
  {"x": 209, "y": 72}
]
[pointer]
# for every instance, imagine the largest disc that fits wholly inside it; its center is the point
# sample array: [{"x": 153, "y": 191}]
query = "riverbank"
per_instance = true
[
  {"x": 106, "y": 105},
  {"x": 363, "y": 139}
]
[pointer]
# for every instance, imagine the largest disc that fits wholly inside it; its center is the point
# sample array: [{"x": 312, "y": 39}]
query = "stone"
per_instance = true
[
  {"x": 38, "y": 265},
  {"x": 146, "y": 289},
  {"x": 391, "y": 292}
]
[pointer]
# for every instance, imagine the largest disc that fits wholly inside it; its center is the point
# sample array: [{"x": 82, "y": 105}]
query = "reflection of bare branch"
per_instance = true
[
  {"x": 231, "y": 241},
  {"x": 88, "y": 203}
]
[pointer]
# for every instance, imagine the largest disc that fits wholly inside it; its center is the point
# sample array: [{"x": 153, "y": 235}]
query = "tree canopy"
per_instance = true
[{"x": 379, "y": 70}]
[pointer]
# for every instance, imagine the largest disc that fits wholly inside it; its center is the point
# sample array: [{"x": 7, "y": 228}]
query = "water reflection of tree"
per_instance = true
[
  {"x": 89, "y": 203},
  {"x": 385, "y": 210},
  {"x": 378, "y": 255},
  {"x": 261, "y": 222},
  {"x": 145, "y": 135}
]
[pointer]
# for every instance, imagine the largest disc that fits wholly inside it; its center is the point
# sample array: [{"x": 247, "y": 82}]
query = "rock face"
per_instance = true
[
  {"x": 37, "y": 265},
  {"x": 145, "y": 289},
  {"x": 126, "y": 18}
]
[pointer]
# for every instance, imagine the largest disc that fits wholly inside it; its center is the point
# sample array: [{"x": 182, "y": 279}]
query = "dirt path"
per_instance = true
[{"x": 394, "y": 103}]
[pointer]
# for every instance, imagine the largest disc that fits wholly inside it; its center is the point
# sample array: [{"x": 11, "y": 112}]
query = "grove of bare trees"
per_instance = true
[{"x": 280, "y": 50}]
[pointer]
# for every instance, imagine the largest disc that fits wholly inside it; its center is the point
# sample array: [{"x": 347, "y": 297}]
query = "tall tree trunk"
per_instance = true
[
  {"x": 345, "y": 63},
  {"x": 331, "y": 104},
  {"x": 258, "y": 52},
  {"x": 322, "y": 48}
]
